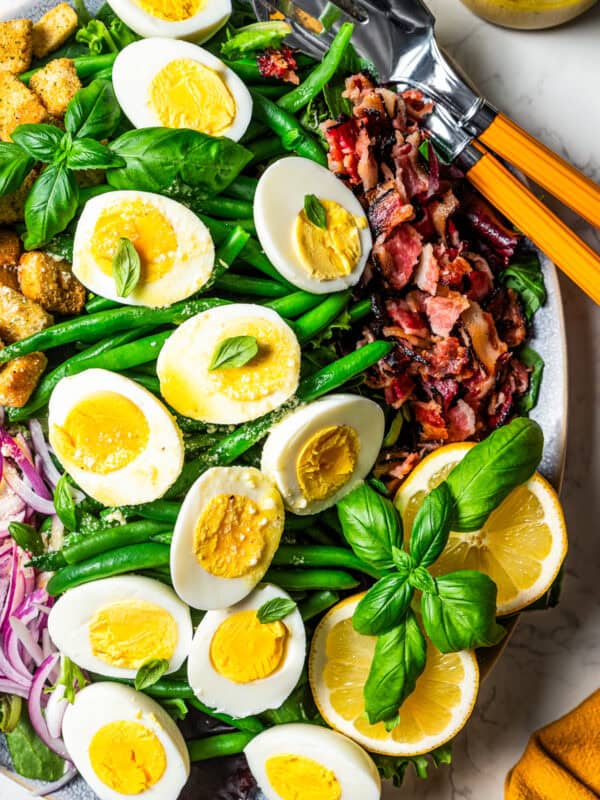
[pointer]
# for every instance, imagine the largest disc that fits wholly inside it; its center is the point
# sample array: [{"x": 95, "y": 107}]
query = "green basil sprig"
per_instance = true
[
  {"x": 236, "y": 351},
  {"x": 39, "y": 141},
  {"x": 275, "y": 609},
  {"x": 64, "y": 503},
  {"x": 94, "y": 112},
  {"x": 15, "y": 166},
  {"x": 371, "y": 525},
  {"x": 126, "y": 267},
  {"x": 150, "y": 673},
  {"x": 383, "y": 605},
  {"x": 27, "y": 537},
  {"x": 315, "y": 211},
  {"x": 51, "y": 205},
  {"x": 535, "y": 362},
  {"x": 526, "y": 278}
]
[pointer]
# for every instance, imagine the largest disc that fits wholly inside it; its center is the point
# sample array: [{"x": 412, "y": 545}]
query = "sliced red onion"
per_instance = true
[
  {"x": 26, "y": 639},
  {"x": 41, "y": 448},
  {"x": 50, "y": 788},
  {"x": 11, "y": 648},
  {"x": 55, "y": 711},
  {"x": 10, "y": 448},
  {"x": 37, "y": 502},
  {"x": 10, "y": 687},
  {"x": 34, "y": 706}
]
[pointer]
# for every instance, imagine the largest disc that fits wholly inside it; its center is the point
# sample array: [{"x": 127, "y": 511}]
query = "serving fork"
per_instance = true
[{"x": 398, "y": 37}]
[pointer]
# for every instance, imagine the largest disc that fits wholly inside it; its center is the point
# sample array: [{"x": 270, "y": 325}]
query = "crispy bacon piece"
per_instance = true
[
  {"x": 445, "y": 390},
  {"x": 397, "y": 257},
  {"x": 416, "y": 105},
  {"x": 452, "y": 270},
  {"x": 512, "y": 386},
  {"x": 411, "y": 322},
  {"x": 444, "y": 311},
  {"x": 399, "y": 390},
  {"x": 427, "y": 273},
  {"x": 486, "y": 222},
  {"x": 342, "y": 138},
  {"x": 429, "y": 416},
  {"x": 441, "y": 210},
  {"x": 462, "y": 422},
  {"x": 408, "y": 167},
  {"x": 447, "y": 358},
  {"x": 484, "y": 337},
  {"x": 506, "y": 309},
  {"x": 280, "y": 64},
  {"x": 387, "y": 209}
]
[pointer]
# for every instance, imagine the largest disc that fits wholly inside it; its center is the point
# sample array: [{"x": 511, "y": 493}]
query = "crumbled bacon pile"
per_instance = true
[
  {"x": 280, "y": 64},
  {"x": 438, "y": 250}
]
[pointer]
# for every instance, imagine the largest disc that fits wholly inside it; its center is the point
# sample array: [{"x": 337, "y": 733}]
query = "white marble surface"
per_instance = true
[{"x": 544, "y": 80}]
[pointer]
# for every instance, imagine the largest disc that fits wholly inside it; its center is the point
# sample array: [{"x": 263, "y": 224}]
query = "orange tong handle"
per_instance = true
[
  {"x": 572, "y": 255},
  {"x": 544, "y": 167}
]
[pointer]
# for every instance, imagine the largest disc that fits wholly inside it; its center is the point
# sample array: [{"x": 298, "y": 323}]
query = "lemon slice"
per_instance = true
[
  {"x": 338, "y": 666},
  {"x": 521, "y": 546}
]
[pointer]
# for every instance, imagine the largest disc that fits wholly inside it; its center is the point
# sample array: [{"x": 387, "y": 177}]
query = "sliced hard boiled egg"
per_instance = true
[
  {"x": 113, "y": 626},
  {"x": 125, "y": 744},
  {"x": 225, "y": 537},
  {"x": 194, "y": 383},
  {"x": 172, "y": 84},
  {"x": 303, "y": 762},
  {"x": 175, "y": 248},
  {"x": 241, "y": 666},
  {"x": 178, "y": 19},
  {"x": 119, "y": 443},
  {"x": 320, "y": 452},
  {"x": 314, "y": 258}
]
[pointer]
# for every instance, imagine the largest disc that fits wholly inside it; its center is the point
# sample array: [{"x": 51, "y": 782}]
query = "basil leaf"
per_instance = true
[
  {"x": 15, "y": 166},
  {"x": 315, "y": 211},
  {"x": 535, "y": 362},
  {"x": 50, "y": 205},
  {"x": 236, "y": 351},
  {"x": 492, "y": 469},
  {"x": 462, "y": 614},
  {"x": 402, "y": 561},
  {"x": 39, "y": 141},
  {"x": 526, "y": 278},
  {"x": 431, "y": 526},
  {"x": 94, "y": 112},
  {"x": 126, "y": 267},
  {"x": 275, "y": 609},
  {"x": 213, "y": 163},
  {"x": 65, "y": 504},
  {"x": 371, "y": 526},
  {"x": 90, "y": 154},
  {"x": 383, "y": 606},
  {"x": 31, "y": 758},
  {"x": 150, "y": 672},
  {"x": 398, "y": 661},
  {"x": 26, "y": 537},
  {"x": 420, "y": 579}
]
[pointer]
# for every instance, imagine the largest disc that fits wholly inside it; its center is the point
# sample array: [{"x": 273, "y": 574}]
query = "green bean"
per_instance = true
[
  {"x": 319, "y": 536},
  {"x": 126, "y": 356},
  {"x": 295, "y": 304},
  {"x": 247, "y": 68},
  {"x": 248, "y": 724},
  {"x": 317, "y": 555},
  {"x": 317, "y": 603},
  {"x": 266, "y": 149},
  {"x": 162, "y": 538},
  {"x": 226, "y": 744},
  {"x": 331, "y": 519},
  {"x": 294, "y": 523},
  {"x": 319, "y": 318},
  {"x": 115, "y": 562},
  {"x": 253, "y": 131},
  {"x": 256, "y": 287},
  {"x": 287, "y": 127},
  {"x": 292, "y": 580},
  {"x": 159, "y": 510},
  {"x": 227, "y": 252},
  {"x": 301, "y": 96},
  {"x": 360, "y": 310},
  {"x": 272, "y": 92},
  {"x": 80, "y": 547},
  {"x": 242, "y": 188},
  {"x": 92, "y": 327},
  {"x": 341, "y": 371},
  {"x": 224, "y": 207},
  {"x": 99, "y": 303},
  {"x": 86, "y": 66},
  {"x": 164, "y": 689}
]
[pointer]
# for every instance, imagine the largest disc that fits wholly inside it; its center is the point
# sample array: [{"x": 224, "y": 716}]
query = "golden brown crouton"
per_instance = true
[
  {"x": 19, "y": 316},
  {"x": 19, "y": 377},
  {"x": 16, "y": 45},
  {"x": 50, "y": 282},
  {"x": 56, "y": 84},
  {"x": 18, "y": 105},
  {"x": 53, "y": 29},
  {"x": 10, "y": 247},
  {"x": 12, "y": 205}
]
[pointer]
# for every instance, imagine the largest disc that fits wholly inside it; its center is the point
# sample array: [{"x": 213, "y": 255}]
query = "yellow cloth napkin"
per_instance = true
[{"x": 562, "y": 760}]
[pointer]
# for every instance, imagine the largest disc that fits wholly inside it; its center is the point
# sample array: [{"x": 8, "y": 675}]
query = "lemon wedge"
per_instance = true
[
  {"x": 521, "y": 546},
  {"x": 338, "y": 666}
]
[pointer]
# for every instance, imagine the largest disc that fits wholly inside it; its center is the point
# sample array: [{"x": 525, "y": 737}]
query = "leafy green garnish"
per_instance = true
[
  {"x": 15, "y": 166},
  {"x": 315, "y": 211},
  {"x": 394, "y": 769},
  {"x": 371, "y": 526},
  {"x": 31, "y": 758},
  {"x": 94, "y": 112},
  {"x": 126, "y": 267},
  {"x": 65, "y": 504},
  {"x": 275, "y": 609},
  {"x": 535, "y": 362},
  {"x": 254, "y": 37},
  {"x": 525, "y": 277},
  {"x": 38, "y": 141},
  {"x": 150, "y": 672},
  {"x": 51, "y": 205},
  {"x": 236, "y": 351},
  {"x": 26, "y": 537}
]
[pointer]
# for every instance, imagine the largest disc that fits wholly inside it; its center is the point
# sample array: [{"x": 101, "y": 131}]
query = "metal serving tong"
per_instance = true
[{"x": 397, "y": 36}]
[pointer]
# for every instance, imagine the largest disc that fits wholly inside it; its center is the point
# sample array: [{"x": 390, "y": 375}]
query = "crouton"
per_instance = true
[
  {"x": 53, "y": 29},
  {"x": 50, "y": 282},
  {"x": 10, "y": 247},
  {"x": 18, "y": 105},
  {"x": 56, "y": 84},
  {"x": 12, "y": 205},
  {"x": 19, "y": 316},
  {"x": 19, "y": 377},
  {"x": 16, "y": 42}
]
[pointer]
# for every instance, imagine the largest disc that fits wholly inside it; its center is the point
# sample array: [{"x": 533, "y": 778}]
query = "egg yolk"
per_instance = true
[
  {"x": 244, "y": 649},
  {"x": 102, "y": 433},
  {"x": 172, "y": 10},
  {"x": 299, "y": 778},
  {"x": 147, "y": 228},
  {"x": 127, "y": 757},
  {"x": 130, "y": 632},
  {"x": 231, "y": 536},
  {"x": 327, "y": 461},
  {"x": 188, "y": 94},
  {"x": 331, "y": 252}
]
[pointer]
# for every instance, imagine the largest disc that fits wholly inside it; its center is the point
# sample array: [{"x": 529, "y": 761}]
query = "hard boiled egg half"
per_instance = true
[
  {"x": 304, "y": 762},
  {"x": 180, "y": 19},
  {"x": 240, "y": 665},
  {"x": 196, "y": 385},
  {"x": 173, "y": 84},
  {"x": 125, "y": 744},
  {"x": 314, "y": 258},
  {"x": 116, "y": 440},
  {"x": 113, "y": 626},
  {"x": 225, "y": 536},
  {"x": 175, "y": 248},
  {"x": 320, "y": 452}
]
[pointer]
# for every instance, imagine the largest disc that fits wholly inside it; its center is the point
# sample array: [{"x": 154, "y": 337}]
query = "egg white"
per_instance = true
[
  {"x": 148, "y": 476},
  {"x": 196, "y": 586},
  {"x": 288, "y": 437},
  {"x": 137, "y": 64},
  {"x": 244, "y": 699},
  {"x": 193, "y": 261},
  {"x": 353, "y": 767},
  {"x": 102, "y": 703},
  {"x": 70, "y": 617},
  {"x": 200, "y": 27},
  {"x": 278, "y": 201}
]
